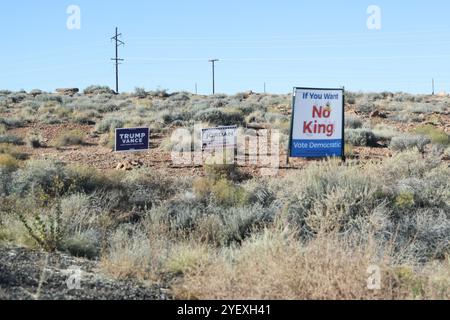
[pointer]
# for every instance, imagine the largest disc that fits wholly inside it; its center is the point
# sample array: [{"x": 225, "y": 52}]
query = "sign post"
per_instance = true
[
  {"x": 317, "y": 125},
  {"x": 132, "y": 139}
]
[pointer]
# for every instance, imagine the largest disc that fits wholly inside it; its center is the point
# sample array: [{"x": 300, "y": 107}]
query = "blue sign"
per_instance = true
[
  {"x": 132, "y": 139},
  {"x": 317, "y": 123}
]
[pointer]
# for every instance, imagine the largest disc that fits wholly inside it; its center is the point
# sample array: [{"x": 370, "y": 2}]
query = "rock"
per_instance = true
[
  {"x": 68, "y": 91},
  {"x": 129, "y": 165},
  {"x": 378, "y": 114}
]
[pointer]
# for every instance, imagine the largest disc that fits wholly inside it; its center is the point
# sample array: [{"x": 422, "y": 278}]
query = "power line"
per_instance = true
[{"x": 116, "y": 59}]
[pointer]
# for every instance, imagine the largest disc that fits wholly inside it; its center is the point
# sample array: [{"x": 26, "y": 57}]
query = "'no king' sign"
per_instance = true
[{"x": 317, "y": 123}]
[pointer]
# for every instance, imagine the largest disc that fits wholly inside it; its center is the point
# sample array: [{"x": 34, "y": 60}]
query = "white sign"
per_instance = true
[
  {"x": 219, "y": 138},
  {"x": 317, "y": 123}
]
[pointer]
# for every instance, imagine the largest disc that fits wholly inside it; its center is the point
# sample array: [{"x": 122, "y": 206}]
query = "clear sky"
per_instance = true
[{"x": 284, "y": 43}]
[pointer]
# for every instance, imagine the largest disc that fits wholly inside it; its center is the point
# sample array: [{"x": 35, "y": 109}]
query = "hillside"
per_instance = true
[{"x": 139, "y": 222}]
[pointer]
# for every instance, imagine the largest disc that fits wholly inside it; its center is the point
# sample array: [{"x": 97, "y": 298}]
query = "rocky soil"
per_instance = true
[{"x": 35, "y": 275}]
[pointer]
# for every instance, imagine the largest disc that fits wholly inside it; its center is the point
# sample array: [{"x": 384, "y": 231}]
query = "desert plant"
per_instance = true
[
  {"x": 360, "y": 137},
  {"x": 71, "y": 138},
  {"x": 11, "y": 139},
  {"x": 82, "y": 244},
  {"x": 353, "y": 122},
  {"x": 37, "y": 175},
  {"x": 8, "y": 162},
  {"x": 436, "y": 135},
  {"x": 96, "y": 89},
  {"x": 405, "y": 142},
  {"x": 384, "y": 132},
  {"x": 108, "y": 124},
  {"x": 46, "y": 229},
  {"x": 34, "y": 140},
  {"x": 140, "y": 93}
]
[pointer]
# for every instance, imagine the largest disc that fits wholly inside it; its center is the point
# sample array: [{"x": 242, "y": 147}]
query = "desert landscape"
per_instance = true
[{"x": 137, "y": 226}]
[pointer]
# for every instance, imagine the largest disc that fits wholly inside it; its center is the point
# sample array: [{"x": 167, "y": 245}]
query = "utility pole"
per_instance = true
[
  {"x": 116, "y": 59},
  {"x": 264, "y": 88},
  {"x": 196, "y": 89},
  {"x": 432, "y": 82},
  {"x": 213, "y": 62}
]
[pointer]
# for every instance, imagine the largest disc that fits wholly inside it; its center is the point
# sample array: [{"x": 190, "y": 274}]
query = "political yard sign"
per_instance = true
[
  {"x": 132, "y": 139},
  {"x": 219, "y": 138},
  {"x": 317, "y": 123}
]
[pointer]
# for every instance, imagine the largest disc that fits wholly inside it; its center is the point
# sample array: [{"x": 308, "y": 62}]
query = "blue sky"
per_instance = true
[{"x": 283, "y": 43}]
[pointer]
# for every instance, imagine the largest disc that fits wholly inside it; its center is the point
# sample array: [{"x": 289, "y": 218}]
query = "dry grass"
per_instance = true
[
  {"x": 274, "y": 265},
  {"x": 71, "y": 138}
]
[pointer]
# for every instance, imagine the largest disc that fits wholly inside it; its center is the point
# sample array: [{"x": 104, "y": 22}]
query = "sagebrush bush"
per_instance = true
[
  {"x": 360, "y": 137},
  {"x": 96, "y": 89},
  {"x": 140, "y": 93},
  {"x": 35, "y": 140},
  {"x": 353, "y": 122},
  {"x": 71, "y": 138},
  {"x": 109, "y": 124},
  {"x": 82, "y": 244},
  {"x": 384, "y": 132},
  {"x": 145, "y": 187},
  {"x": 405, "y": 142},
  {"x": 37, "y": 175},
  {"x": 11, "y": 139},
  {"x": 218, "y": 117}
]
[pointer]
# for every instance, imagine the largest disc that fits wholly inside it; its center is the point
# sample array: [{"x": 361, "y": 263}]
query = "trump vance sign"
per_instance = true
[
  {"x": 132, "y": 139},
  {"x": 219, "y": 138},
  {"x": 317, "y": 123}
]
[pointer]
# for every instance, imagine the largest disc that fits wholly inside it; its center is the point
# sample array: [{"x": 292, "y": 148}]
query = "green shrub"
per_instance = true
[
  {"x": 83, "y": 245},
  {"x": 405, "y": 200},
  {"x": 227, "y": 194},
  {"x": 436, "y": 135},
  {"x": 45, "y": 228}
]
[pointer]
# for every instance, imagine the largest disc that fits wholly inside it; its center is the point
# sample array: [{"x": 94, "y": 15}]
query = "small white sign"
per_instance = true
[{"x": 219, "y": 138}]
